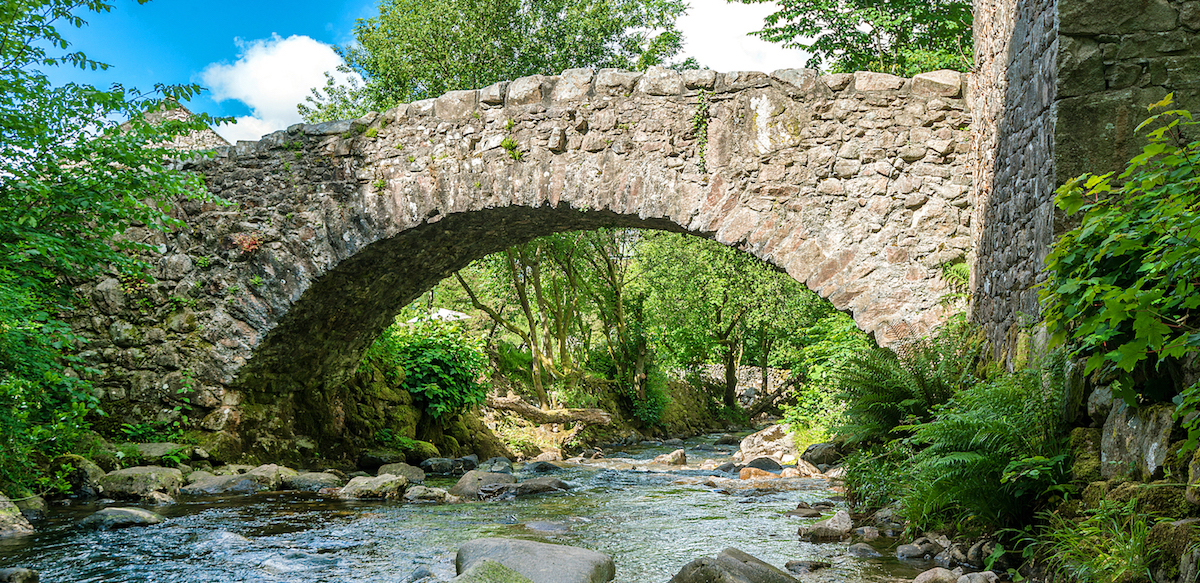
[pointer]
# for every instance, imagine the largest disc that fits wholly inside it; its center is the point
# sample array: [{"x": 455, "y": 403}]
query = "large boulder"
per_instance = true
[
  {"x": 438, "y": 465},
  {"x": 385, "y": 487},
  {"x": 775, "y": 442},
  {"x": 274, "y": 474},
  {"x": 230, "y": 485},
  {"x": 468, "y": 485},
  {"x": 731, "y": 566},
  {"x": 413, "y": 474},
  {"x": 1134, "y": 442},
  {"x": 121, "y": 518},
  {"x": 18, "y": 575},
  {"x": 765, "y": 464},
  {"x": 313, "y": 481},
  {"x": 12, "y": 522},
  {"x": 81, "y": 473},
  {"x": 530, "y": 487},
  {"x": 139, "y": 482},
  {"x": 496, "y": 465},
  {"x": 675, "y": 458},
  {"x": 539, "y": 562},
  {"x": 835, "y": 528},
  {"x": 423, "y": 494},
  {"x": 937, "y": 575},
  {"x": 489, "y": 571},
  {"x": 822, "y": 453}
]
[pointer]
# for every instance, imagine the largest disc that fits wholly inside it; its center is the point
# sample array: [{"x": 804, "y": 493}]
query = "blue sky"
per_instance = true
[{"x": 259, "y": 58}]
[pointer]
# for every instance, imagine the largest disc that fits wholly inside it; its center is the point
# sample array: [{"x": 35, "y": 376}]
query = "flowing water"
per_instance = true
[{"x": 647, "y": 522}]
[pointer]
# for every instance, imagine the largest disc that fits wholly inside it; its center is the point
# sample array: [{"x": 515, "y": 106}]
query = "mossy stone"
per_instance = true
[
  {"x": 1172, "y": 539},
  {"x": 489, "y": 571},
  {"x": 1161, "y": 498},
  {"x": 1085, "y": 449}
]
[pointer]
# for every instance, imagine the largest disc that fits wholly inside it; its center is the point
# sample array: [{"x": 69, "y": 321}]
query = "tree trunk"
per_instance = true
[{"x": 542, "y": 416}]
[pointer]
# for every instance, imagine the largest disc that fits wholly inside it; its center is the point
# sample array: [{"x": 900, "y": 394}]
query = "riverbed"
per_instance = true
[{"x": 637, "y": 513}]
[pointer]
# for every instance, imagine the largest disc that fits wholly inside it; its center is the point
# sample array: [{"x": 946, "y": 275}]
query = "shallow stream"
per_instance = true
[{"x": 648, "y": 524}]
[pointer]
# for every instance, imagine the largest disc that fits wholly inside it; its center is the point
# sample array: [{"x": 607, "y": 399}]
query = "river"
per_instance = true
[{"x": 650, "y": 525}]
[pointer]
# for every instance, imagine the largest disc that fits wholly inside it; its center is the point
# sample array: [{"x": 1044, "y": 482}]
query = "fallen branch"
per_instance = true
[
  {"x": 541, "y": 417},
  {"x": 768, "y": 401}
]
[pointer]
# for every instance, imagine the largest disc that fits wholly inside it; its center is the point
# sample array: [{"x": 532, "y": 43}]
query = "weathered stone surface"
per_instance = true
[
  {"x": 540, "y": 562},
  {"x": 822, "y": 453},
  {"x": 775, "y": 442},
  {"x": 863, "y": 550},
  {"x": 414, "y": 475},
  {"x": 802, "y": 79},
  {"x": 944, "y": 83},
  {"x": 12, "y": 522},
  {"x": 1134, "y": 442},
  {"x": 456, "y": 105},
  {"x": 138, "y": 482},
  {"x": 753, "y": 473},
  {"x": 675, "y": 458},
  {"x": 121, "y": 518},
  {"x": 18, "y": 575},
  {"x": 937, "y": 575},
  {"x": 573, "y": 85},
  {"x": 660, "y": 81},
  {"x": 526, "y": 90},
  {"x": 232, "y": 485},
  {"x": 837, "y": 81},
  {"x": 489, "y": 571},
  {"x": 616, "y": 82},
  {"x": 385, "y": 487},
  {"x": 868, "y": 81},
  {"x": 834, "y": 528},
  {"x": 731, "y": 566},
  {"x": 313, "y": 481},
  {"x": 699, "y": 79},
  {"x": 500, "y": 465},
  {"x": 425, "y": 494},
  {"x": 273, "y": 475},
  {"x": 494, "y": 94},
  {"x": 468, "y": 486}
]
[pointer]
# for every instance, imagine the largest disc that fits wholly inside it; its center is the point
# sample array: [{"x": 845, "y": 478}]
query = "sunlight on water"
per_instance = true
[{"x": 650, "y": 526}]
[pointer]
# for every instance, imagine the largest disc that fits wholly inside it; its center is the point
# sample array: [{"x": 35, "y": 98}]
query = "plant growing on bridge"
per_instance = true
[
  {"x": 442, "y": 365},
  {"x": 1122, "y": 286},
  {"x": 700, "y": 128},
  {"x": 71, "y": 181},
  {"x": 901, "y": 37}
]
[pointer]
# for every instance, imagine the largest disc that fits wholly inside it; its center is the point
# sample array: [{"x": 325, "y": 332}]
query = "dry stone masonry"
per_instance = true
[
  {"x": 1060, "y": 88},
  {"x": 856, "y": 184}
]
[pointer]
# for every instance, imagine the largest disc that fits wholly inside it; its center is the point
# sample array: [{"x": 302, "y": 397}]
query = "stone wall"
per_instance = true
[
  {"x": 1059, "y": 89},
  {"x": 856, "y": 185}
]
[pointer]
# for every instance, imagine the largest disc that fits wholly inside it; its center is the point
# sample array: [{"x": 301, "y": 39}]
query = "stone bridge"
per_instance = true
[{"x": 856, "y": 185}]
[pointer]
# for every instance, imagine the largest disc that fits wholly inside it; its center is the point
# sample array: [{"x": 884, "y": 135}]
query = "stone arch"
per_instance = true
[{"x": 856, "y": 185}]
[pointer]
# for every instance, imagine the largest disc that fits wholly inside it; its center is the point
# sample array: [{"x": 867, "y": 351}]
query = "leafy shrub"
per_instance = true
[
  {"x": 440, "y": 364},
  {"x": 992, "y": 453},
  {"x": 884, "y": 390},
  {"x": 1121, "y": 287},
  {"x": 1108, "y": 545},
  {"x": 877, "y": 477}
]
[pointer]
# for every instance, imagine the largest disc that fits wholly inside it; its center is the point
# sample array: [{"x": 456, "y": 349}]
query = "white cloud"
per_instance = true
[
  {"x": 271, "y": 76},
  {"x": 715, "y": 32}
]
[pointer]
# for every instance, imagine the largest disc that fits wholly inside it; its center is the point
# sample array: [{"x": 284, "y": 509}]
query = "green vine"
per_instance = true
[{"x": 700, "y": 126}]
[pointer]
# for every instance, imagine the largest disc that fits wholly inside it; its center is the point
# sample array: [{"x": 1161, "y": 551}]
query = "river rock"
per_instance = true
[
  {"x": 32, "y": 507},
  {"x": 804, "y": 513},
  {"x": 118, "y": 517},
  {"x": 754, "y": 473},
  {"x": 675, "y": 458},
  {"x": 953, "y": 556},
  {"x": 988, "y": 577},
  {"x": 822, "y": 453},
  {"x": 438, "y": 465},
  {"x": 235, "y": 485},
  {"x": 765, "y": 463},
  {"x": 979, "y": 552},
  {"x": 489, "y": 571},
  {"x": 81, "y": 473},
  {"x": 834, "y": 528},
  {"x": 425, "y": 494},
  {"x": 728, "y": 468},
  {"x": 937, "y": 575},
  {"x": 727, "y": 439},
  {"x": 805, "y": 567},
  {"x": 157, "y": 498},
  {"x": 802, "y": 469},
  {"x": 775, "y": 442},
  {"x": 196, "y": 476},
  {"x": 18, "y": 575},
  {"x": 541, "y": 485},
  {"x": 541, "y": 467},
  {"x": 413, "y": 474},
  {"x": 909, "y": 551},
  {"x": 863, "y": 550},
  {"x": 12, "y": 522},
  {"x": 496, "y": 465},
  {"x": 867, "y": 533},
  {"x": 371, "y": 460},
  {"x": 731, "y": 566},
  {"x": 549, "y": 456},
  {"x": 386, "y": 487},
  {"x": 468, "y": 485},
  {"x": 467, "y": 462},
  {"x": 539, "y": 562},
  {"x": 274, "y": 474},
  {"x": 137, "y": 482},
  {"x": 155, "y": 452},
  {"x": 838, "y": 473},
  {"x": 313, "y": 481}
]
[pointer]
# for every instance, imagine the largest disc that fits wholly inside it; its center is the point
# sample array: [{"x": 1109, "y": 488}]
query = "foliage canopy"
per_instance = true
[{"x": 901, "y": 37}]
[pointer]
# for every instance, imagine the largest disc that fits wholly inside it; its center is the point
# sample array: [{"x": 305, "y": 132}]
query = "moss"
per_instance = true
[
  {"x": 1094, "y": 493},
  {"x": 1085, "y": 449},
  {"x": 1172, "y": 539},
  {"x": 1176, "y": 462},
  {"x": 1161, "y": 498},
  {"x": 222, "y": 446}
]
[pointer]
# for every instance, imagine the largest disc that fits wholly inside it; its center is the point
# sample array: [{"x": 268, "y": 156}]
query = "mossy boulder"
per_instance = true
[
  {"x": 1172, "y": 539},
  {"x": 489, "y": 571},
  {"x": 139, "y": 482},
  {"x": 1162, "y": 498},
  {"x": 221, "y": 446},
  {"x": 83, "y": 474},
  {"x": 1085, "y": 449}
]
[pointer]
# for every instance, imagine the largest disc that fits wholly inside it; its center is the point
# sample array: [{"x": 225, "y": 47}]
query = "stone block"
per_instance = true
[
  {"x": 456, "y": 105},
  {"x": 1080, "y": 67},
  {"x": 1189, "y": 14},
  {"x": 1134, "y": 442},
  {"x": 660, "y": 81},
  {"x": 869, "y": 81},
  {"x": 615, "y": 82},
  {"x": 573, "y": 85},
  {"x": 494, "y": 94},
  {"x": 837, "y": 81},
  {"x": 526, "y": 90},
  {"x": 1090, "y": 17},
  {"x": 700, "y": 79},
  {"x": 802, "y": 79},
  {"x": 943, "y": 83},
  {"x": 422, "y": 107}
]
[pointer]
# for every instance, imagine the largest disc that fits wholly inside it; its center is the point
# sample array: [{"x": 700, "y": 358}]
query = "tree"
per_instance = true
[
  {"x": 417, "y": 49},
  {"x": 901, "y": 37},
  {"x": 72, "y": 180}
]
